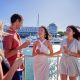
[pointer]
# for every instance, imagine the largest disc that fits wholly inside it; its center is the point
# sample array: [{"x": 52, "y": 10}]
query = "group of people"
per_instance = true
[{"x": 42, "y": 50}]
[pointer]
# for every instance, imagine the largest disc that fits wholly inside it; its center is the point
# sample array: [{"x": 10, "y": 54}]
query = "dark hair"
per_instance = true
[
  {"x": 46, "y": 32},
  {"x": 15, "y": 17},
  {"x": 76, "y": 34}
]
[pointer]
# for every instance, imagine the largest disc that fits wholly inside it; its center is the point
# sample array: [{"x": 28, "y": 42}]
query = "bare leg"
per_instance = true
[
  {"x": 63, "y": 77},
  {"x": 72, "y": 78}
]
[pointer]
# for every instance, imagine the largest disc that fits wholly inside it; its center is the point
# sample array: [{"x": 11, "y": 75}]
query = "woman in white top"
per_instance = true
[
  {"x": 42, "y": 49},
  {"x": 70, "y": 48}
]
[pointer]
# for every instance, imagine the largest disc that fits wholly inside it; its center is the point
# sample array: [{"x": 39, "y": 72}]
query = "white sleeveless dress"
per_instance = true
[{"x": 41, "y": 66}]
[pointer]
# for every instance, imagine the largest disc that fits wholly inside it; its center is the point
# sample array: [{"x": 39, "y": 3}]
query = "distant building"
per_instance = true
[
  {"x": 52, "y": 28},
  {"x": 26, "y": 31}
]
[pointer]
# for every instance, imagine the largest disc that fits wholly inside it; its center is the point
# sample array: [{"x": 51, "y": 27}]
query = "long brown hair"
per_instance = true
[
  {"x": 46, "y": 32},
  {"x": 76, "y": 34}
]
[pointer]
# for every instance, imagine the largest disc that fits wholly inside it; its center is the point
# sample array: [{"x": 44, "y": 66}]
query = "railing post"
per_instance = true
[
  {"x": 25, "y": 75},
  {"x": 25, "y": 68},
  {"x": 57, "y": 67}
]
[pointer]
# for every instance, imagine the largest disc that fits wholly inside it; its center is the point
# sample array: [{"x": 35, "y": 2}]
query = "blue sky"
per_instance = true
[{"x": 61, "y": 12}]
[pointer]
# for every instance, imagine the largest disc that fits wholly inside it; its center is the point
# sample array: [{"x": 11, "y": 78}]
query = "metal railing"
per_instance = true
[
  {"x": 54, "y": 66},
  {"x": 53, "y": 62}
]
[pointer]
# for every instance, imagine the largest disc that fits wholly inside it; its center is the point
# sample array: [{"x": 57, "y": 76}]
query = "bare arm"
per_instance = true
[
  {"x": 1, "y": 71},
  {"x": 70, "y": 53},
  {"x": 50, "y": 46},
  {"x": 12, "y": 70},
  {"x": 50, "y": 49},
  {"x": 52, "y": 53},
  {"x": 10, "y": 53},
  {"x": 74, "y": 54},
  {"x": 58, "y": 52},
  {"x": 34, "y": 49}
]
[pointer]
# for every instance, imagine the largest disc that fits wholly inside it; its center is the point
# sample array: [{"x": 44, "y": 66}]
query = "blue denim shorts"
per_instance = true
[{"x": 17, "y": 75}]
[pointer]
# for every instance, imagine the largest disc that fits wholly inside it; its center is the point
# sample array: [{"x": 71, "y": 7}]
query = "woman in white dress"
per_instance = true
[
  {"x": 42, "y": 49},
  {"x": 70, "y": 48}
]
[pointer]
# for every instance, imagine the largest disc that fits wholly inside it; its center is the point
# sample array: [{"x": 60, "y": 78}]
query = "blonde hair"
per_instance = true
[
  {"x": 2, "y": 53},
  {"x": 1, "y": 31},
  {"x": 1, "y": 25}
]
